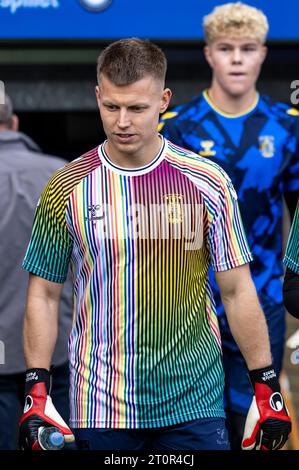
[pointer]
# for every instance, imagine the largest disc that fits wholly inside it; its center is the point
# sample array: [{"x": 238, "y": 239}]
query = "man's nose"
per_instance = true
[
  {"x": 237, "y": 56},
  {"x": 123, "y": 118}
]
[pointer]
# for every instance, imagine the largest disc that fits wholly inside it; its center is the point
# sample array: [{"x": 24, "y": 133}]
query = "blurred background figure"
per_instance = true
[
  {"x": 255, "y": 140},
  {"x": 24, "y": 171}
]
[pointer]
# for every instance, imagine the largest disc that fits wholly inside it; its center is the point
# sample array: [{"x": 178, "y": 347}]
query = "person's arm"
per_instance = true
[
  {"x": 245, "y": 316},
  {"x": 41, "y": 321},
  {"x": 268, "y": 424},
  {"x": 291, "y": 292},
  {"x": 40, "y": 334}
]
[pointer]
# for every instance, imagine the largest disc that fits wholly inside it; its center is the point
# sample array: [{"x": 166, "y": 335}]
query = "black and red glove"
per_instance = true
[
  {"x": 268, "y": 424},
  {"x": 39, "y": 411}
]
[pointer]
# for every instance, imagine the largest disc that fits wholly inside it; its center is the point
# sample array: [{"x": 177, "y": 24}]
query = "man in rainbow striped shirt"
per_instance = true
[{"x": 140, "y": 220}]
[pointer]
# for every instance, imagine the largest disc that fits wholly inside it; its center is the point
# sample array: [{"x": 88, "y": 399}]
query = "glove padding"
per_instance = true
[
  {"x": 39, "y": 411},
  {"x": 268, "y": 424}
]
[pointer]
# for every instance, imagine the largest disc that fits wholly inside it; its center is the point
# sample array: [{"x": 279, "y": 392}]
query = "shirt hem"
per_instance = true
[
  {"x": 291, "y": 264},
  {"x": 42, "y": 273},
  {"x": 233, "y": 263},
  {"x": 139, "y": 424}
]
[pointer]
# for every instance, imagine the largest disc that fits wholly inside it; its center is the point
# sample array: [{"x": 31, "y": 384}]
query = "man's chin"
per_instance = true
[
  {"x": 238, "y": 91},
  {"x": 124, "y": 148}
]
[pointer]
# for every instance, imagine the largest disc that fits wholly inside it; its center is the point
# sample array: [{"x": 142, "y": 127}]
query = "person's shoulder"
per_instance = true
[
  {"x": 183, "y": 111},
  {"x": 52, "y": 162},
  {"x": 72, "y": 172},
  {"x": 195, "y": 165},
  {"x": 85, "y": 161},
  {"x": 280, "y": 110}
]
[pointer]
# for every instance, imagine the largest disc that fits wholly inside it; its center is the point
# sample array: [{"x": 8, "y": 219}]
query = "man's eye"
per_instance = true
[
  {"x": 110, "y": 107},
  {"x": 137, "y": 109}
]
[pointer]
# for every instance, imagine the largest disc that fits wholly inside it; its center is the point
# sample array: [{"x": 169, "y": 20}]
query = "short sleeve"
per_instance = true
[
  {"x": 227, "y": 240},
  {"x": 50, "y": 246},
  {"x": 291, "y": 259}
]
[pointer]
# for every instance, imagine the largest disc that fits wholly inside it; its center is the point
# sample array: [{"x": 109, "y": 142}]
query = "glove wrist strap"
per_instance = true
[
  {"x": 34, "y": 376},
  {"x": 265, "y": 375}
]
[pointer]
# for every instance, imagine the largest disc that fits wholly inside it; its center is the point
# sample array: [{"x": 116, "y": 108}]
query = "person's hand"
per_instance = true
[
  {"x": 39, "y": 411},
  {"x": 268, "y": 424}
]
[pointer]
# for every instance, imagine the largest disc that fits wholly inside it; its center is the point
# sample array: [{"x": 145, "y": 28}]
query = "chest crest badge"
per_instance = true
[
  {"x": 266, "y": 145},
  {"x": 174, "y": 208}
]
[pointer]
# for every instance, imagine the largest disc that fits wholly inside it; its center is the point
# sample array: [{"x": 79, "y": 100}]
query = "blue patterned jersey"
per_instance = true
[{"x": 259, "y": 149}]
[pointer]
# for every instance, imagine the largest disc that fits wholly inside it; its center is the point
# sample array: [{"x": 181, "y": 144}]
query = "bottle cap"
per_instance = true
[{"x": 56, "y": 438}]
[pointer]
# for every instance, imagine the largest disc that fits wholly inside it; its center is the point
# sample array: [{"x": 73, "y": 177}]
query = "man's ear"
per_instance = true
[
  {"x": 97, "y": 92},
  {"x": 166, "y": 97},
  {"x": 14, "y": 123},
  {"x": 207, "y": 54},
  {"x": 98, "y": 95},
  {"x": 264, "y": 53}
]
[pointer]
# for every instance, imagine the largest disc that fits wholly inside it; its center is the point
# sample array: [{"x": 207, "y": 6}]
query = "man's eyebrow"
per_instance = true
[
  {"x": 138, "y": 105},
  {"x": 133, "y": 105},
  {"x": 232, "y": 45},
  {"x": 107, "y": 101},
  {"x": 249, "y": 44}
]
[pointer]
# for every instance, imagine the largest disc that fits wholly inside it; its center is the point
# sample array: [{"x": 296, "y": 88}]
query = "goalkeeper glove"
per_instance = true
[
  {"x": 39, "y": 411},
  {"x": 268, "y": 424}
]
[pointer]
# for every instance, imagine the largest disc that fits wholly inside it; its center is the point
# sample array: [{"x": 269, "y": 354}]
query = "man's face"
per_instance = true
[
  {"x": 235, "y": 63},
  {"x": 130, "y": 114}
]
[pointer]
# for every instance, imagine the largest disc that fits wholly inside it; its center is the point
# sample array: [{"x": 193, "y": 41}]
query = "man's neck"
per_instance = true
[
  {"x": 4, "y": 128},
  {"x": 232, "y": 104}
]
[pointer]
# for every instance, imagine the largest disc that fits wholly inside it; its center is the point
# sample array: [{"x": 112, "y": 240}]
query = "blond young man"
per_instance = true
[
  {"x": 140, "y": 220},
  {"x": 255, "y": 140}
]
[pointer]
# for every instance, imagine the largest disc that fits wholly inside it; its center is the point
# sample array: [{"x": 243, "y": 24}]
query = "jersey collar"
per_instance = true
[
  {"x": 133, "y": 171},
  {"x": 228, "y": 115}
]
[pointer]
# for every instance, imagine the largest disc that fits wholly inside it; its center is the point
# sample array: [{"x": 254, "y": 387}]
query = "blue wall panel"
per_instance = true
[{"x": 154, "y": 19}]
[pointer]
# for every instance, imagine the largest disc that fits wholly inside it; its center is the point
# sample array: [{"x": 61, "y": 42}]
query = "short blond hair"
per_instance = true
[{"x": 235, "y": 20}]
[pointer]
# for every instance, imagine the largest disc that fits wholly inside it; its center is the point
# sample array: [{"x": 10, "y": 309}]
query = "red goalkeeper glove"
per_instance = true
[
  {"x": 39, "y": 411},
  {"x": 268, "y": 424}
]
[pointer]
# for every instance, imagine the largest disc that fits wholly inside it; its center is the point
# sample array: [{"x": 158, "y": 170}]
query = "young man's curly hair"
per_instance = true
[{"x": 235, "y": 20}]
